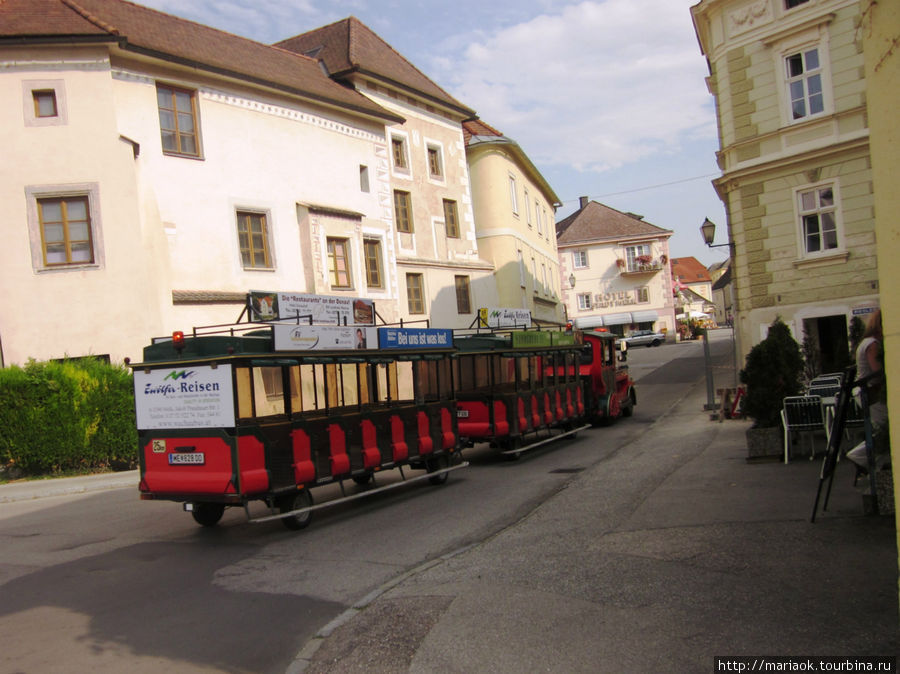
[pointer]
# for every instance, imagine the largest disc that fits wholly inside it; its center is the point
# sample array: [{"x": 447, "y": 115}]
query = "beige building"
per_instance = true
[
  {"x": 515, "y": 223},
  {"x": 879, "y": 30},
  {"x": 789, "y": 82},
  {"x": 439, "y": 274},
  {"x": 149, "y": 180},
  {"x": 615, "y": 270}
]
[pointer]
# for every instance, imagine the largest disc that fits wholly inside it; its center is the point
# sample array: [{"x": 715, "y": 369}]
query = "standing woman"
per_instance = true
[{"x": 869, "y": 361}]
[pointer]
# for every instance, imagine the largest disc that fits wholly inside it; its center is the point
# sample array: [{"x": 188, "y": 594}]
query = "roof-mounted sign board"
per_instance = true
[
  {"x": 415, "y": 338},
  {"x": 504, "y": 318},
  {"x": 328, "y": 309}
]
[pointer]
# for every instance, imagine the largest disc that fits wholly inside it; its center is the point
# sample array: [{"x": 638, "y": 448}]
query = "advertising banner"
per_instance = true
[
  {"x": 533, "y": 338},
  {"x": 193, "y": 397},
  {"x": 336, "y": 310},
  {"x": 415, "y": 338},
  {"x": 324, "y": 337},
  {"x": 504, "y": 318}
]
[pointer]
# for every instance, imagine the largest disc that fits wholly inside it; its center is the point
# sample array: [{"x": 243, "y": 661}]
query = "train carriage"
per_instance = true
[
  {"x": 226, "y": 419},
  {"x": 514, "y": 386}
]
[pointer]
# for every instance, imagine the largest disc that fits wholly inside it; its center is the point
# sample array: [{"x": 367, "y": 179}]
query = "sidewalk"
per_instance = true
[
  {"x": 674, "y": 551},
  {"x": 25, "y": 490}
]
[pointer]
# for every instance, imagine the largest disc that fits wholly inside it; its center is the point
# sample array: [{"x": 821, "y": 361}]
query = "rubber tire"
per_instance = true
[
  {"x": 363, "y": 480},
  {"x": 628, "y": 410},
  {"x": 512, "y": 443},
  {"x": 655, "y": 342},
  {"x": 208, "y": 514},
  {"x": 438, "y": 463},
  {"x": 300, "y": 499}
]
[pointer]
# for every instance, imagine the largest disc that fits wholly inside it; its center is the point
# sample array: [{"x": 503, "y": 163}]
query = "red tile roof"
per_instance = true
[
  {"x": 689, "y": 270},
  {"x": 171, "y": 38},
  {"x": 597, "y": 222},
  {"x": 348, "y": 46},
  {"x": 476, "y": 127}
]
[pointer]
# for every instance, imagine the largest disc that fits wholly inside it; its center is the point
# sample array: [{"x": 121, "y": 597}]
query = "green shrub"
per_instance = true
[
  {"x": 771, "y": 373},
  {"x": 73, "y": 415}
]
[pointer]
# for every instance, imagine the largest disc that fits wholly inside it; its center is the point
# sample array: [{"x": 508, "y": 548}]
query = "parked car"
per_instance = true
[{"x": 644, "y": 338}]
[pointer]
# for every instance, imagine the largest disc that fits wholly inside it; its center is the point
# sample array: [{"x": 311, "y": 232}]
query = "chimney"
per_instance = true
[{"x": 583, "y": 201}]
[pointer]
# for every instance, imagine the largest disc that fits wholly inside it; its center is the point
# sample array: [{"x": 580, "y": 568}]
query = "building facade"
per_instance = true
[
  {"x": 789, "y": 83},
  {"x": 515, "y": 216},
  {"x": 439, "y": 274},
  {"x": 615, "y": 270}
]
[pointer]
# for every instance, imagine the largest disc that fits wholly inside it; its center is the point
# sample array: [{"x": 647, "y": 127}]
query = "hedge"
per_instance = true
[{"x": 72, "y": 415}]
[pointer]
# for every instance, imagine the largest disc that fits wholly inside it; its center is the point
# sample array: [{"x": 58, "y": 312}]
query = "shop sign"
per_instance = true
[
  {"x": 504, "y": 318},
  {"x": 190, "y": 397}
]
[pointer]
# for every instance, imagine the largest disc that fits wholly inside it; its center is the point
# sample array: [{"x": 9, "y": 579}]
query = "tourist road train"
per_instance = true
[{"x": 306, "y": 390}]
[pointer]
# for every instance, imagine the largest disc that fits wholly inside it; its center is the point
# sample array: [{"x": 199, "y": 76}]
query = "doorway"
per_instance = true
[{"x": 826, "y": 344}]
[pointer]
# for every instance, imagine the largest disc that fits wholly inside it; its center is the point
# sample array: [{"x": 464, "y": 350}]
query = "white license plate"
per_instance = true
[
  {"x": 462, "y": 414},
  {"x": 191, "y": 458}
]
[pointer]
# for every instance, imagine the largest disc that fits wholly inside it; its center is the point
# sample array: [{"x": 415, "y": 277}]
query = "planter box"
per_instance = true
[{"x": 765, "y": 442}]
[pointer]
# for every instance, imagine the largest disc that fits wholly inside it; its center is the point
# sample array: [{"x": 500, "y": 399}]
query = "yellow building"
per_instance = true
[
  {"x": 514, "y": 216},
  {"x": 879, "y": 30},
  {"x": 789, "y": 83}
]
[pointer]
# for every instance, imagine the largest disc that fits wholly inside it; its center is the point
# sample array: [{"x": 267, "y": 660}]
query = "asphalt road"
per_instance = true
[{"x": 105, "y": 582}]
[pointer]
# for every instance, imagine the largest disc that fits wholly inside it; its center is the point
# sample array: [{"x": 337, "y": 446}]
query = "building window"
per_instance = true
[
  {"x": 580, "y": 259},
  {"x": 363, "y": 178},
  {"x": 527, "y": 208},
  {"x": 584, "y": 301},
  {"x": 65, "y": 231},
  {"x": 537, "y": 216},
  {"x": 544, "y": 278},
  {"x": 547, "y": 222},
  {"x": 338, "y": 263},
  {"x": 253, "y": 239},
  {"x": 178, "y": 120},
  {"x": 463, "y": 302},
  {"x": 513, "y": 195},
  {"x": 451, "y": 218},
  {"x": 534, "y": 276},
  {"x": 642, "y": 295},
  {"x": 804, "y": 81},
  {"x": 521, "y": 269},
  {"x": 398, "y": 151},
  {"x": 634, "y": 256},
  {"x": 435, "y": 164},
  {"x": 415, "y": 295},
  {"x": 790, "y": 4},
  {"x": 44, "y": 103},
  {"x": 372, "y": 249},
  {"x": 817, "y": 219},
  {"x": 403, "y": 211}
]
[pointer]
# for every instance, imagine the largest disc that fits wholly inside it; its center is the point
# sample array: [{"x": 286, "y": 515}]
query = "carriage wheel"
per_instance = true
[
  {"x": 438, "y": 463},
  {"x": 300, "y": 499},
  {"x": 208, "y": 514}
]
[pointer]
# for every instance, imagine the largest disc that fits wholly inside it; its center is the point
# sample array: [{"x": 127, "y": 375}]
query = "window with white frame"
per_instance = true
[
  {"x": 803, "y": 71},
  {"x": 818, "y": 219},
  {"x": 642, "y": 295},
  {"x": 580, "y": 259},
  {"x": 399, "y": 154},
  {"x": 547, "y": 222},
  {"x": 513, "y": 195},
  {"x": 584, "y": 301},
  {"x": 635, "y": 256},
  {"x": 527, "y": 208}
]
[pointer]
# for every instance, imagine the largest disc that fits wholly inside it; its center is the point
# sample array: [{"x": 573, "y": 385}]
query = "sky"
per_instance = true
[{"x": 607, "y": 97}]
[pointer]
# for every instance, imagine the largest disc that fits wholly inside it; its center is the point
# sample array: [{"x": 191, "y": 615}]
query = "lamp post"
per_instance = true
[{"x": 708, "y": 232}]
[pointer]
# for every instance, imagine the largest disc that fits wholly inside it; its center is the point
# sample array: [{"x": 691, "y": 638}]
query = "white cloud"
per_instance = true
[{"x": 594, "y": 85}]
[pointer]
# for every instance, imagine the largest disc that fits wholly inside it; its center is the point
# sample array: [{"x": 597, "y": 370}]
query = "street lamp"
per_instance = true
[{"x": 708, "y": 230}]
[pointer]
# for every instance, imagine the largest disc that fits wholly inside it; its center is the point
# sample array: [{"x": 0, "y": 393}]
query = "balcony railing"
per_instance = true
[{"x": 638, "y": 267}]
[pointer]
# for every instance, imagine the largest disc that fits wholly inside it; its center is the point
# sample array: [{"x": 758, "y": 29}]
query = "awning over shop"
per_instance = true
[
  {"x": 644, "y": 316},
  {"x": 617, "y": 319}
]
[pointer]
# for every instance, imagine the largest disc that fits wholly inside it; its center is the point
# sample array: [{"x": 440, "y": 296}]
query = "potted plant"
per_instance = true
[
  {"x": 620, "y": 263},
  {"x": 772, "y": 372}
]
